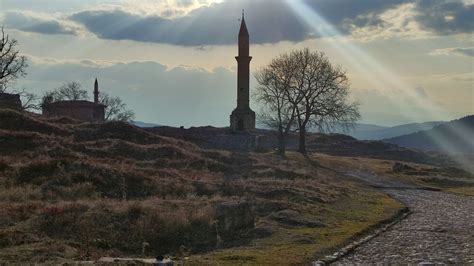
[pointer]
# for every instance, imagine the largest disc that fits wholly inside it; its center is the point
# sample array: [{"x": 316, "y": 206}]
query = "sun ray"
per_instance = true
[{"x": 377, "y": 74}]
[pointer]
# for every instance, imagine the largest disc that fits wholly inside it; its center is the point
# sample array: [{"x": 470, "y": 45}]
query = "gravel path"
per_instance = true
[{"x": 440, "y": 229}]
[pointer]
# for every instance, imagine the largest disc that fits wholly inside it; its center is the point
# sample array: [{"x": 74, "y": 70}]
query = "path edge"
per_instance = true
[{"x": 366, "y": 235}]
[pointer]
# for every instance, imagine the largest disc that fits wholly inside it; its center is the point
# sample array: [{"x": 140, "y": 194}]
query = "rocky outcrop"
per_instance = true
[
  {"x": 294, "y": 218},
  {"x": 234, "y": 219}
]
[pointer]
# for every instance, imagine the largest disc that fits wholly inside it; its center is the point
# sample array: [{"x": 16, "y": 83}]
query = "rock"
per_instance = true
[
  {"x": 399, "y": 167},
  {"x": 262, "y": 232},
  {"x": 293, "y": 218},
  {"x": 234, "y": 218},
  {"x": 426, "y": 263}
]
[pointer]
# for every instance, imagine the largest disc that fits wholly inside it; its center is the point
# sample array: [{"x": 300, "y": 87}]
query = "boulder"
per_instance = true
[
  {"x": 294, "y": 218},
  {"x": 234, "y": 219}
]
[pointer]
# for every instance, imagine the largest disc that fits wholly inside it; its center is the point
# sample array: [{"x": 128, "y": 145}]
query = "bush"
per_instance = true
[{"x": 42, "y": 168}]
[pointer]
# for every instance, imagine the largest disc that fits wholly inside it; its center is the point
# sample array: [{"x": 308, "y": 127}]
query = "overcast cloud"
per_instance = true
[{"x": 270, "y": 21}]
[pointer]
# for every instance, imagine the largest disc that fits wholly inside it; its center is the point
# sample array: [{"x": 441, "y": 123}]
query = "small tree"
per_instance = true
[
  {"x": 29, "y": 101},
  {"x": 116, "y": 108},
  {"x": 274, "y": 94},
  {"x": 69, "y": 91},
  {"x": 12, "y": 64}
]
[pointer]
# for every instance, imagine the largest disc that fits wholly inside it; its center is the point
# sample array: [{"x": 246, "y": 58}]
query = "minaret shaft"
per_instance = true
[
  {"x": 96, "y": 92},
  {"x": 243, "y": 68},
  {"x": 243, "y": 118}
]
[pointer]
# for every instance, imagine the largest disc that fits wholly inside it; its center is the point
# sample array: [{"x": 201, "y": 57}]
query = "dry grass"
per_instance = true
[
  {"x": 91, "y": 190},
  {"x": 448, "y": 179}
]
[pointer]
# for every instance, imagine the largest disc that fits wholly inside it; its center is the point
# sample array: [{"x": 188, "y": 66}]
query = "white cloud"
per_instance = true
[{"x": 459, "y": 51}]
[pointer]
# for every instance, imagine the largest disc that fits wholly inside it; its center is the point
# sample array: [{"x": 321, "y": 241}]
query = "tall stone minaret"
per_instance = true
[
  {"x": 96, "y": 92},
  {"x": 243, "y": 118}
]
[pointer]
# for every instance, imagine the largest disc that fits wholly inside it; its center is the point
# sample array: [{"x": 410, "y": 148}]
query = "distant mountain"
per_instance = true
[
  {"x": 368, "y": 127},
  {"x": 144, "y": 124},
  {"x": 375, "y": 132},
  {"x": 456, "y": 136},
  {"x": 390, "y": 132}
]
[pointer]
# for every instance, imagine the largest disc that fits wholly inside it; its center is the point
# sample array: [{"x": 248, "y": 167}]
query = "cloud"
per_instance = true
[
  {"x": 461, "y": 51},
  {"x": 193, "y": 23},
  {"x": 446, "y": 16},
  {"x": 215, "y": 25},
  {"x": 269, "y": 21},
  {"x": 33, "y": 22},
  {"x": 421, "y": 92},
  {"x": 398, "y": 22}
]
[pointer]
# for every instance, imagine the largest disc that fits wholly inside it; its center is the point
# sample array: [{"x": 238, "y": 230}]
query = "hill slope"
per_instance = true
[
  {"x": 364, "y": 132},
  {"x": 452, "y": 137},
  {"x": 78, "y": 191}
]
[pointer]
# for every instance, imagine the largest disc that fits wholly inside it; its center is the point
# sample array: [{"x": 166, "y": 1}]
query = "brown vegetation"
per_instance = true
[{"x": 74, "y": 191}]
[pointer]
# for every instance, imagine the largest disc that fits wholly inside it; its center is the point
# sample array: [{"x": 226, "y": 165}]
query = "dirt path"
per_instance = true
[{"x": 439, "y": 230}]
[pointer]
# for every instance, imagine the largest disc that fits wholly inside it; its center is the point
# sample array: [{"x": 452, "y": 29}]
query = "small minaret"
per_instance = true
[
  {"x": 243, "y": 118},
  {"x": 96, "y": 92},
  {"x": 243, "y": 69}
]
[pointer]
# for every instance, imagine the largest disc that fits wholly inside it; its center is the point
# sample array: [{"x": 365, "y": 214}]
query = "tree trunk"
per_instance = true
[
  {"x": 281, "y": 144},
  {"x": 302, "y": 146}
]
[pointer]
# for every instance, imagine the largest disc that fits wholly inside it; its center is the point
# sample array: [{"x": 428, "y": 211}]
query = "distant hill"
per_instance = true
[
  {"x": 456, "y": 136},
  {"x": 374, "y": 132},
  {"x": 144, "y": 124}
]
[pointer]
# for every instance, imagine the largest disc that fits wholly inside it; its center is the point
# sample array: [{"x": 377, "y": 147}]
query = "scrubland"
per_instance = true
[{"x": 72, "y": 191}]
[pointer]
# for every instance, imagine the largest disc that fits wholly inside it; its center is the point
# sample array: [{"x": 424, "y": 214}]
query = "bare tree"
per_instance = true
[
  {"x": 71, "y": 91},
  {"x": 116, "y": 108},
  {"x": 12, "y": 64},
  {"x": 325, "y": 90},
  {"x": 29, "y": 101},
  {"x": 274, "y": 94},
  {"x": 303, "y": 89}
]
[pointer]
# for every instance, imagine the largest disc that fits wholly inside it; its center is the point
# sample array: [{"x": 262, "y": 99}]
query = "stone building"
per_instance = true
[
  {"x": 243, "y": 118},
  {"x": 81, "y": 110},
  {"x": 10, "y": 101}
]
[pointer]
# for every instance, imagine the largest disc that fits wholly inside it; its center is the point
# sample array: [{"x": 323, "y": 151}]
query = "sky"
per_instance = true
[{"x": 173, "y": 61}]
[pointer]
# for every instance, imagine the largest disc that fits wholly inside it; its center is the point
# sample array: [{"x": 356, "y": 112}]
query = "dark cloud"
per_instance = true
[
  {"x": 269, "y": 21},
  {"x": 446, "y": 16},
  {"x": 24, "y": 22},
  {"x": 346, "y": 13},
  {"x": 215, "y": 25}
]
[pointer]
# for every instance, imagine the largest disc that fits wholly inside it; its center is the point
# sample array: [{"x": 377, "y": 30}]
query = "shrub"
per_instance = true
[{"x": 41, "y": 168}]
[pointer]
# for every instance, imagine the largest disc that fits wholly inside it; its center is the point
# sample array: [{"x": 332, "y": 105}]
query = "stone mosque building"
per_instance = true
[
  {"x": 243, "y": 118},
  {"x": 81, "y": 110}
]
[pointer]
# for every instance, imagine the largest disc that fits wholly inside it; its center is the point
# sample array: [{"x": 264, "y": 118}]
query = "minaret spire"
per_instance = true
[
  {"x": 96, "y": 92},
  {"x": 243, "y": 27}
]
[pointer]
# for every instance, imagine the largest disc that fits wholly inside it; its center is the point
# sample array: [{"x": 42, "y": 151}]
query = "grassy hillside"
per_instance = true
[{"x": 76, "y": 191}]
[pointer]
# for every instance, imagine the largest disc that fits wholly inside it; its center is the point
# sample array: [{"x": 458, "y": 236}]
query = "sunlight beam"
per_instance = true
[{"x": 376, "y": 73}]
